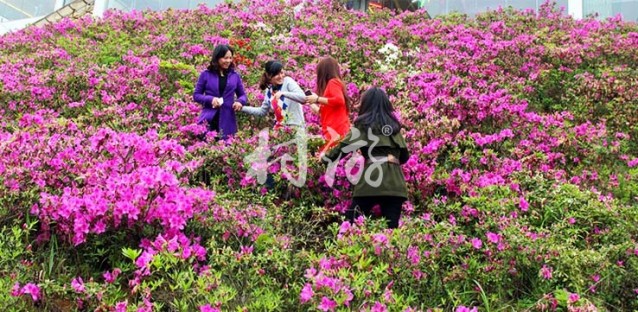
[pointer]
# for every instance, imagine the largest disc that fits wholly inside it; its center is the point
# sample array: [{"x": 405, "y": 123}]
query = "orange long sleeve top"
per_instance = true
[{"x": 333, "y": 116}]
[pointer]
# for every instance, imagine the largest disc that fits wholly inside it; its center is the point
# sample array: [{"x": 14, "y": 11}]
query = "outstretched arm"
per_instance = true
[
  {"x": 332, "y": 96},
  {"x": 258, "y": 111}
]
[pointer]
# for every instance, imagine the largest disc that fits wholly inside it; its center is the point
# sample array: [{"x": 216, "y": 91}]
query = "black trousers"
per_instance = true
[
  {"x": 390, "y": 208},
  {"x": 213, "y": 125}
]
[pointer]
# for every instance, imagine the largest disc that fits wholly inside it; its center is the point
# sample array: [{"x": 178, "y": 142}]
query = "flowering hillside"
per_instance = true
[{"x": 523, "y": 179}]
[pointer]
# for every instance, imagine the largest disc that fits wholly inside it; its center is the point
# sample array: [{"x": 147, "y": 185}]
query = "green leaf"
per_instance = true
[{"x": 131, "y": 253}]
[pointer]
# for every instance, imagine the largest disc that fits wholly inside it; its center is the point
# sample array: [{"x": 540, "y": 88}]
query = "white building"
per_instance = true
[
  {"x": 628, "y": 9},
  {"x": 16, "y": 14},
  {"x": 576, "y": 8},
  {"x": 127, "y": 5}
]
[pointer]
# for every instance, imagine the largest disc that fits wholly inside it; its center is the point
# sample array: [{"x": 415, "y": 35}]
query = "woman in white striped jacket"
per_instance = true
[{"x": 282, "y": 95}]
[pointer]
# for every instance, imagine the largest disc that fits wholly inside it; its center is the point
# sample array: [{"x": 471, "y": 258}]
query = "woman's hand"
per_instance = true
[
  {"x": 313, "y": 98},
  {"x": 237, "y": 106},
  {"x": 277, "y": 95},
  {"x": 217, "y": 102}
]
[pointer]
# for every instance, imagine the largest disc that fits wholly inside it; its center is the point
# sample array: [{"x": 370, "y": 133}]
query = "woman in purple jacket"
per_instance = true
[{"x": 216, "y": 89}]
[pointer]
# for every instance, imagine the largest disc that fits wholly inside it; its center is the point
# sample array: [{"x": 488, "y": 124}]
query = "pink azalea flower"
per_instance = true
[
  {"x": 144, "y": 259},
  {"x": 121, "y": 306},
  {"x": 493, "y": 237},
  {"x": 306, "y": 293},
  {"x": 78, "y": 285},
  {"x": 379, "y": 307},
  {"x": 573, "y": 297},
  {"x": 596, "y": 278},
  {"x": 110, "y": 277},
  {"x": 16, "y": 290},
  {"x": 546, "y": 272},
  {"x": 208, "y": 308},
  {"x": 33, "y": 290},
  {"x": 523, "y": 204},
  {"x": 476, "y": 243},
  {"x": 327, "y": 304}
]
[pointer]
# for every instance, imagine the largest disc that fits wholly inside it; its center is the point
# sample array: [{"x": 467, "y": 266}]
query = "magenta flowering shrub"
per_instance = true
[
  {"x": 522, "y": 179},
  {"x": 91, "y": 183},
  {"x": 493, "y": 243}
]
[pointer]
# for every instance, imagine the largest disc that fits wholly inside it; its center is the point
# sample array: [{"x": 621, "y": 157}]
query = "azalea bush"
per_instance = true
[{"x": 522, "y": 176}]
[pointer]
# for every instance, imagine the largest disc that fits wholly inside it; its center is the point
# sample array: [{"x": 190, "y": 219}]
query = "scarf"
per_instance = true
[{"x": 279, "y": 107}]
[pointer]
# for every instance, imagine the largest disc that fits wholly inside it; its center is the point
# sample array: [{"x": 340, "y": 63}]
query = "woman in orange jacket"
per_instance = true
[{"x": 331, "y": 103}]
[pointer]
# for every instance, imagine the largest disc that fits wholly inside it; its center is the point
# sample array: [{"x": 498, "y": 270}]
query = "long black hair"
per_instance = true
[
  {"x": 376, "y": 113},
  {"x": 271, "y": 68},
  {"x": 219, "y": 52}
]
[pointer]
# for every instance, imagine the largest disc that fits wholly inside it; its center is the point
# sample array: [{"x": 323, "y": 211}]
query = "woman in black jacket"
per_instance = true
[{"x": 377, "y": 134}]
